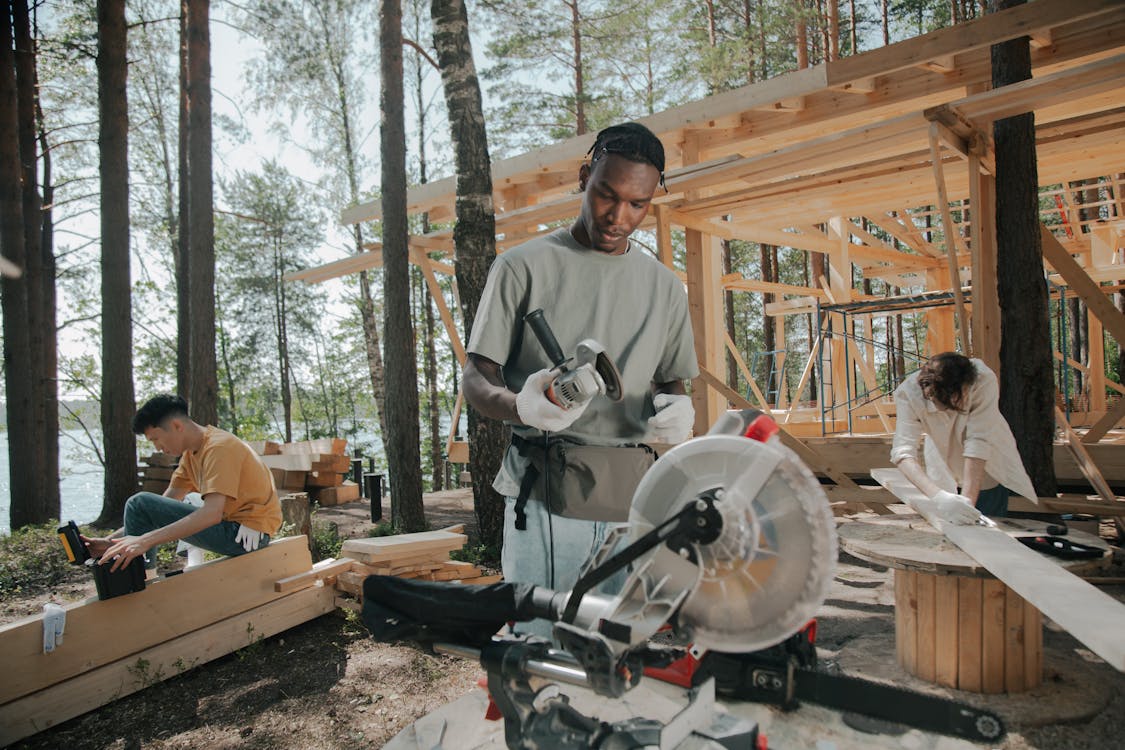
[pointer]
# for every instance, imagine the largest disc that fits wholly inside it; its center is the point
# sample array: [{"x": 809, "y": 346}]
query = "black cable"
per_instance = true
[{"x": 547, "y": 503}]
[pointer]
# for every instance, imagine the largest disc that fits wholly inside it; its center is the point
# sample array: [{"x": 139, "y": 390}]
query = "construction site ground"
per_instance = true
[{"x": 327, "y": 684}]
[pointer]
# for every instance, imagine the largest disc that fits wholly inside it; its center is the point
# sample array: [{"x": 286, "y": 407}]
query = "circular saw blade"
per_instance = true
[{"x": 771, "y": 567}]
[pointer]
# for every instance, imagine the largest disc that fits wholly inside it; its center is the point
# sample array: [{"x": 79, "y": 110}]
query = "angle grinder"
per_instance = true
[{"x": 590, "y": 372}]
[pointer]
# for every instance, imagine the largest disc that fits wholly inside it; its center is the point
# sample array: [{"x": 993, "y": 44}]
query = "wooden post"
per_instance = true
[
  {"x": 705, "y": 303},
  {"x": 986, "y": 302}
]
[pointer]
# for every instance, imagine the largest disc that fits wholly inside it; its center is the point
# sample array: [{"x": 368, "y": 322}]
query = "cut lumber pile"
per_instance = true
[
  {"x": 423, "y": 556},
  {"x": 115, "y": 647},
  {"x": 156, "y": 472},
  {"x": 318, "y": 467}
]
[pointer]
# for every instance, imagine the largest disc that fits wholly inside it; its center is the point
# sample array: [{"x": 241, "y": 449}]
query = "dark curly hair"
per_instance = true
[
  {"x": 157, "y": 409},
  {"x": 944, "y": 377},
  {"x": 632, "y": 141}
]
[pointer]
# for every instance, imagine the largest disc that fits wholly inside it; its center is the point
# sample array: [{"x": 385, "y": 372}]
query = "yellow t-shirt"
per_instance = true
[{"x": 226, "y": 465}]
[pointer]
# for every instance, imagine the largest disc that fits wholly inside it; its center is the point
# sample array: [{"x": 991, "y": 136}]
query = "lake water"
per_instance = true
[{"x": 80, "y": 483}]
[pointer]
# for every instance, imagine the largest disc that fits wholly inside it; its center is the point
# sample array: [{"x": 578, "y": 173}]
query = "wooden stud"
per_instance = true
[
  {"x": 1033, "y": 647},
  {"x": 952, "y": 238}
]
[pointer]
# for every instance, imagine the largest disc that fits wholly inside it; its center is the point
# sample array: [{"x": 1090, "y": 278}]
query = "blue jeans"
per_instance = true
[
  {"x": 527, "y": 555},
  {"x": 993, "y": 502},
  {"x": 146, "y": 511}
]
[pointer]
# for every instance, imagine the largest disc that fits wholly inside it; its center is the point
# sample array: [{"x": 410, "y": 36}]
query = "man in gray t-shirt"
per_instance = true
[{"x": 590, "y": 283}]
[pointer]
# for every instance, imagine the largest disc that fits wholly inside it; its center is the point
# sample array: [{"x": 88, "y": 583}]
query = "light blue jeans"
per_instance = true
[
  {"x": 146, "y": 511},
  {"x": 527, "y": 555}
]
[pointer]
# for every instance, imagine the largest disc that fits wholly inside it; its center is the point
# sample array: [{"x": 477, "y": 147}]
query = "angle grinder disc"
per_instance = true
[{"x": 771, "y": 567}]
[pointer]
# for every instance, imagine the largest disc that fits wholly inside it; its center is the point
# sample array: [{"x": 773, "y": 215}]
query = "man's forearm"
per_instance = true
[{"x": 485, "y": 390}]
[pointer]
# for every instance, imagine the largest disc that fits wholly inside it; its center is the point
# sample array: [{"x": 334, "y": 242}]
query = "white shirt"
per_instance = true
[{"x": 978, "y": 432}]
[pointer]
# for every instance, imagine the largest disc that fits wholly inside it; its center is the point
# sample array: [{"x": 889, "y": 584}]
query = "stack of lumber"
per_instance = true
[
  {"x": 156, "y": 472},
  {"x": 318, "y": 467},
  {"x": 423, "y": 556},
  {"x": 115, "y": 647}
]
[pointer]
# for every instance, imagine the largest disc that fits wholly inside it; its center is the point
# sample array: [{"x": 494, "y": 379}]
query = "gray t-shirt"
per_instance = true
[{"x": 631, "y": 304}]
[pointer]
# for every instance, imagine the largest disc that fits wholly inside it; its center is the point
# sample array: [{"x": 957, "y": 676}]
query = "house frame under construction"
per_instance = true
[{"x": 815, "y": 160}]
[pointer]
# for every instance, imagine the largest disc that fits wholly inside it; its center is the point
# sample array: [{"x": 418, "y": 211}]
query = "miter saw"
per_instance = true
[{"x": 730, "y": 546}]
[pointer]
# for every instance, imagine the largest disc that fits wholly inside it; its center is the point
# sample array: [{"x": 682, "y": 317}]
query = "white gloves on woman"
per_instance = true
[
  {"x": 538, "y": 411},
  {"x": 673, "y": 421},
  {"x": 956, "y": 509}
]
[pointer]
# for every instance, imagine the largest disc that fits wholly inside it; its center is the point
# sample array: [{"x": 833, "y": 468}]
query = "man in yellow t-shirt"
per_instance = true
[{"x": 240, "y": 509}]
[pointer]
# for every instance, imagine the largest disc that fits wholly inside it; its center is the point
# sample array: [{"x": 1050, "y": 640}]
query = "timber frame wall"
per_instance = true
[{"x": 812, "y": 159}]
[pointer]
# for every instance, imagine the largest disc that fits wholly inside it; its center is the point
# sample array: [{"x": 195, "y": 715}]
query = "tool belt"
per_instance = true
[{"x": 587, "y": 482}]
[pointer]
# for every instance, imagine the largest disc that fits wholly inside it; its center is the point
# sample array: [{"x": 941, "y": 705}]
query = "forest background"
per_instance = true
[{"x": 291, "y": 138}]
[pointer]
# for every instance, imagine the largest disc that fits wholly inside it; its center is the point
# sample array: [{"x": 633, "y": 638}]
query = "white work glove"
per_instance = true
[
  {"x": 538, "y": 411},
  {"x": 673, "y": 420},
  {"x": 956, "y": 509},
  {"x": 248, "y": 538}
]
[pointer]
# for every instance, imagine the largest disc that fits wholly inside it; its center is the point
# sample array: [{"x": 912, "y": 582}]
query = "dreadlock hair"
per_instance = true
[
  {"x": 943, "y": 378},
  {"x": 156, "y": 410},
  {"x": 632, "y": 141}
]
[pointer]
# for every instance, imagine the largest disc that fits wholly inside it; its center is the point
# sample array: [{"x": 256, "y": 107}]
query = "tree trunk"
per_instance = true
[
  {"x": 118, "y": 402},
  {"x": 1027, "y": 393},
  {"x": 282, "y": 333},
  {"x": 182, "y": 255},
  {"x": 44, "y": 435},
  {"x": 769, "y": 342},
  {"x": 50, "y": 318},
  {"x": 580, "y": 125},
  {"x": 201, "y": 218},
  {"x": 802, "y": 36},
  {"x": 24, "y": 508},
  {"x": 402, "y": 438},
  {"x": 474, "y": 237}
]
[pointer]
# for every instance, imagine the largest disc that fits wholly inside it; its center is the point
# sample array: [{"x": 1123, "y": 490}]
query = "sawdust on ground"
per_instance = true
[{"x": 326, "y": 684}]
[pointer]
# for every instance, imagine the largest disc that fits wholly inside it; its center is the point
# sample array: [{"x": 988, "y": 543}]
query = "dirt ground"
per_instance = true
[{"x": 327, "y": 684}]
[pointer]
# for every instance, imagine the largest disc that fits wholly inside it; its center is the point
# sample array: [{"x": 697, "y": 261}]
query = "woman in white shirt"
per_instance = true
[{"x": 952, "y": 405}]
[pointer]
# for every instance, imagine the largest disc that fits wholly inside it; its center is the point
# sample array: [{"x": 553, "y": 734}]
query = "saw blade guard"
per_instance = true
[{"x": 771, "y": 568}]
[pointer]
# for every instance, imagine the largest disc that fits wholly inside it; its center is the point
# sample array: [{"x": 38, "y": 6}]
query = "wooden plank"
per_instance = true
[
  {"x": 1082, "y": 457},
  {"x": 1082, "y": 285},
  {"x": 946, "y": 628},
  {"x": 323, "y": 570},
  {"x": 385, "y": 548},
  {"x": 1014, "y": 642},
  {"x": 1090, "y": 615},
  {"x": 903, "y": 639},
  {"x": 992, "y": 636},
  {"x": 951, "y": 240},
  {"x": 963, "y": 37},
  {"x": 89, "y": 690},
  {"x": 907, "y": 609},
  {"x": 1033, "y": 653},
  {"x": 1106, "y": 423},
  {"x": 166, "y": 609},
  {"x": 289, "y": 461},
  {"x": 336, "y": 446},
  {"x": 926, "y": 667},
  {"x": 969, "y": 633}
]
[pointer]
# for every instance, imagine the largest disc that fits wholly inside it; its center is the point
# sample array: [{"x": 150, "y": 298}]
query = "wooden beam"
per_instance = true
[
  {"x": 951, "y": 241},
  {"x": 1106, "y": 423},
  {"x": 104, "y": 684},
  {"x": 427, "y": 265},
  {"x": 1085, "y": 287},
  {"x": 1091, "y": 616},
  {"x": 1082, "y": 458},
  {"x": 166, "y": 609},
  {"x": 964, "y": 37}
]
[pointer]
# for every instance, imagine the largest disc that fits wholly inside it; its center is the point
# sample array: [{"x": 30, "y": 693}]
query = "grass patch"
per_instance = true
[
  {"x": 32, "y": 560},
  {"x": 478, "y": 554},
  {"x": 326, "y": 540}
]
